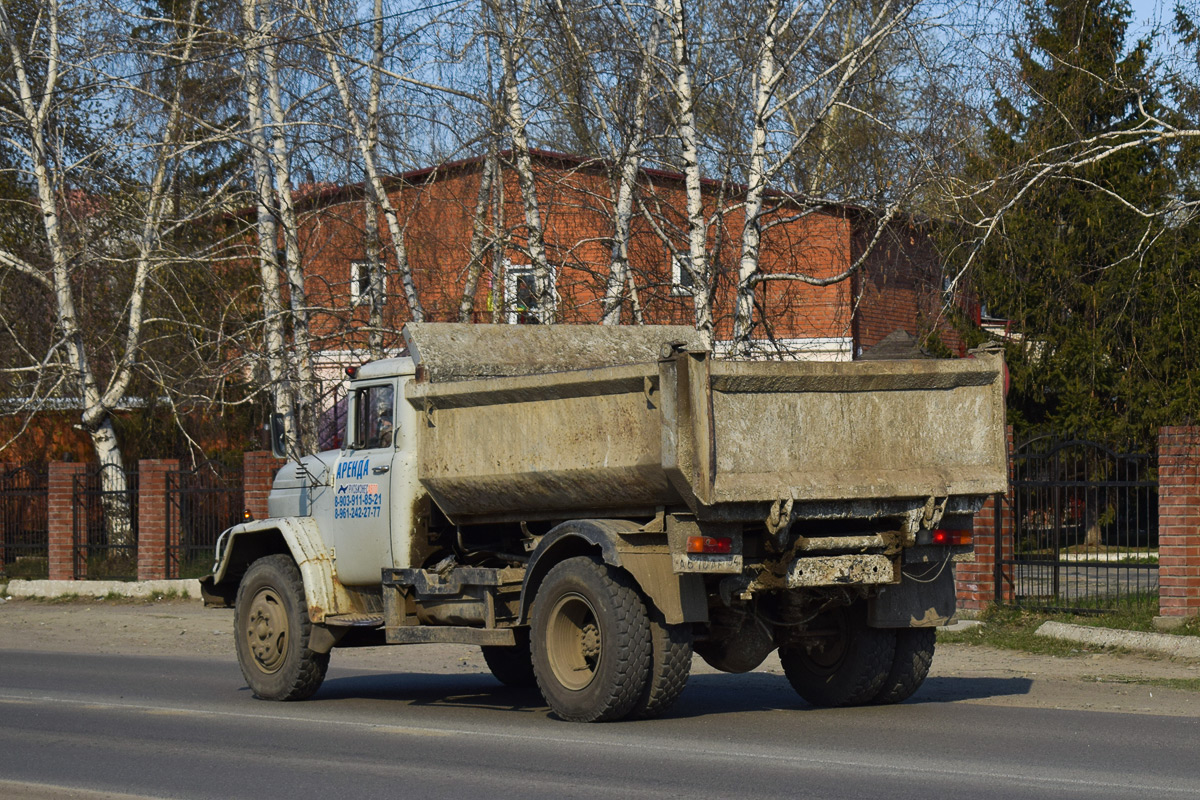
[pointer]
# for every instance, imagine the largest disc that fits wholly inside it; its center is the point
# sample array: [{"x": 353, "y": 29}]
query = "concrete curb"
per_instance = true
[
  {"x": 960, "y": 625},
  {"x": 1165, "y": 643},
  {"x": 49, "y": 589}
]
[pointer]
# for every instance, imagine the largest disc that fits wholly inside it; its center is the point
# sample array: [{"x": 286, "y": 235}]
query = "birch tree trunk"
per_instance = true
[
  {"x": 630, "y": 161},
  {"x": 685, "y": 131},
  {"x": 764, "y": 89},
  {"x": 376, "y": 271},
  {"x": 274, "y": 334},
  {"x": 306, "y": 380},
  {"x": 318, "y": 18},
  {"x": 509, "y": 31}
]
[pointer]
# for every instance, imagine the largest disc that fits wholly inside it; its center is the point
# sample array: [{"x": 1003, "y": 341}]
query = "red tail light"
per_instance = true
[
  {"x": 946, "y": 537},
  {"x": 717, "y": 545}
]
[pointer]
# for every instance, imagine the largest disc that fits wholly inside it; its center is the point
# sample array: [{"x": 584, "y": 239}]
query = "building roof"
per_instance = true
[{"x": 311, "y": 196}]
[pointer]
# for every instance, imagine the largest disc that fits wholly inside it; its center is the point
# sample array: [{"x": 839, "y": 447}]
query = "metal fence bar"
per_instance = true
[
  {"x": 105, "y": 524},
  {"x": 24, "y": 532},
  {"x": 201, "y": 503},
  {"x": 1084, "y": 528}
]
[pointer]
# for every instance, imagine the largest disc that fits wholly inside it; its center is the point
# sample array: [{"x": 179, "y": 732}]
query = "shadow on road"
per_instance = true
[
  {"x": 948, "y": 690},
  {"x": 705, "y": 695},
  {"x": 431, "y": 689}
]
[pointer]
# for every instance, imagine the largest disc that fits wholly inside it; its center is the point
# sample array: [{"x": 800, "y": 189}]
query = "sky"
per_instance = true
[{"x": 1146, "y": 12}]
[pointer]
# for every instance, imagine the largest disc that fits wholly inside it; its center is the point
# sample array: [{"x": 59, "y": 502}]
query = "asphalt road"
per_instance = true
[{"x": 185, "y": 727}]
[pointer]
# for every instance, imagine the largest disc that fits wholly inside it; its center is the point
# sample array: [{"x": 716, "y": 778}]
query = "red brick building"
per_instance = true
[{"x": 898, "y": 287}]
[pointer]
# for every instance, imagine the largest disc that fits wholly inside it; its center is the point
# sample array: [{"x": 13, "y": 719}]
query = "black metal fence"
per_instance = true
[
  {"x": 201, "y": 503},
  {"x": 105, "y": 524},
  {"x": 24, "y": 534},
  {"x": 1084, "y": 526}
]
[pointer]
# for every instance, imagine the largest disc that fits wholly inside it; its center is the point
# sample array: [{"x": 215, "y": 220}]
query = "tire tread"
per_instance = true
[
  {"x": 910, "y": 666},
  {"x": 858, "y": 680},
  {"x": 631, "y": 626},
  {"x": 512, "y": 666},
  {"x": 670, "y": 668},
  {"x": 302, "y": 681}
]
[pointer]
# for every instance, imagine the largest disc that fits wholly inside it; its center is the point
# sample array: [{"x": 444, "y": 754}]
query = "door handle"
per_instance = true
[{"x": 380, "y": 470}]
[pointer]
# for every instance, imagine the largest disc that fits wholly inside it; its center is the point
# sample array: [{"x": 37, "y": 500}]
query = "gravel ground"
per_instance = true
[{"x": 960, "y": 673}]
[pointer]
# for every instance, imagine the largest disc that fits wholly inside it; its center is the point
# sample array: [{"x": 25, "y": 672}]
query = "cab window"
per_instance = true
[{"x": 374, "y": 410}]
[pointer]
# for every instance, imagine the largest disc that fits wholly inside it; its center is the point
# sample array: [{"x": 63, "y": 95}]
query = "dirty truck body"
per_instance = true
[{"x": 591, "y": 506}]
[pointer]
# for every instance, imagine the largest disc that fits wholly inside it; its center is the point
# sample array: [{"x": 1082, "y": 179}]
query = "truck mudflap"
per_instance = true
[
  {"x": 924, "y": 598},
  {"x": 243, "y": 544}
]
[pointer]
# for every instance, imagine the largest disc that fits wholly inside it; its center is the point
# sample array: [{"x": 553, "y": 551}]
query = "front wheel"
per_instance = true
[
  {"x": 840, "y": 661},
  {"x": 271, "y": 628},
  {"x": 590, "y": 641}
]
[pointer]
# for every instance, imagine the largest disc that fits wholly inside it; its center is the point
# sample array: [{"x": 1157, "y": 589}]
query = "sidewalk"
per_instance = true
[{"x": 44, "y": 589}]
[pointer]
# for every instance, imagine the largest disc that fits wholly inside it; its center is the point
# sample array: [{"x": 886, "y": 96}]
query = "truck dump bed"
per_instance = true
[{"x": 724, "y": 438}]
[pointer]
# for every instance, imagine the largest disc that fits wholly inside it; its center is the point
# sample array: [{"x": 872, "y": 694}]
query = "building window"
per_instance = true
[
  {"x": 520, "y": 296},
  {"x": 360, "y": 283},
  {"x": 683, "y": 282}
]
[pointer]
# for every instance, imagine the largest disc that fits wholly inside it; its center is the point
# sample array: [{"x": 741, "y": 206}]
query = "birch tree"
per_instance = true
[
  {"x": 617, "y": 111},
  {"x": 275, "y": 352},
  {"x": 776, "y": 57},
  {"x": 52, "y": 64},
  {"x": 365, "y": 135},
  {"x": 511, "y": 21},
  {"x": 288, "y": 343},
  {"x": 783, "y": 121},
  {"x": 684, "y": 112},
  {"x": 375, "y": 265}
]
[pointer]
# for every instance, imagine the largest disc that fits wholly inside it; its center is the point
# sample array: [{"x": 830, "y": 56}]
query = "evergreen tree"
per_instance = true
[
  {"x": 1100, "y": 294},
  {"x": 207, "y": 83}
]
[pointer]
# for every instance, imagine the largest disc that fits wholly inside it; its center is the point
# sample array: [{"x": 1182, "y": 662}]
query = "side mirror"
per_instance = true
[{"x": 278, "y": 443}]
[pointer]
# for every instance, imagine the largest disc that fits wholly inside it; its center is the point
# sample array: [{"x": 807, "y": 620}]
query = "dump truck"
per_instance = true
[{"x": 591, "y": 506}]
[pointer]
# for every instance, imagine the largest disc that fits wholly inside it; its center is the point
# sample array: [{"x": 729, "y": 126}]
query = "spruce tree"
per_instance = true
[{"x": 1085, "y": 279}]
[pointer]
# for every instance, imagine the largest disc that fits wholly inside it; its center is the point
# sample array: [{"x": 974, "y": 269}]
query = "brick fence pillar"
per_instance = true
[
  {"x": 258, "y": 471},
  {"x": 976, "y": 582},
  {"x": 60, "y": 525},
  {"x": 152, "y": 517},
  {"x": 1178, "y": 525}
]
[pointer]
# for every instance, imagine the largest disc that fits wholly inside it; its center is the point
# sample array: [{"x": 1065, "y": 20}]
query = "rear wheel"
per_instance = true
[
  {"x": 590, "y": 641},
  {"x": 670, "y": 666},
  {"x": 840, "y": 661},
  {"x": 910, "y": 665},
  {"x": 512, "y": 666},
  {"x": 272, "y": 630}
]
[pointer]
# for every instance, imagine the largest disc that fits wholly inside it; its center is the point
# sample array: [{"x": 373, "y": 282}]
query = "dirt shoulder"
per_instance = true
[{"x": 960, "y": 672}]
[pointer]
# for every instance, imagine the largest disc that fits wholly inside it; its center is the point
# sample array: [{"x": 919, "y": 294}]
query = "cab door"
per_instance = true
[{"x": 361, "y": 530}]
